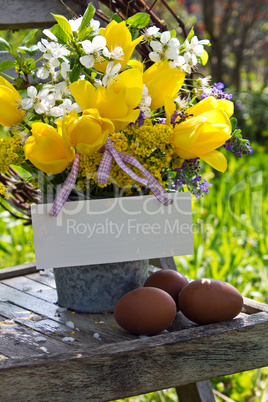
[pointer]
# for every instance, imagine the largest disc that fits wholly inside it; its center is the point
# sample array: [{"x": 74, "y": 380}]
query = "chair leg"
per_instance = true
[{"x": 196, "y": 392}]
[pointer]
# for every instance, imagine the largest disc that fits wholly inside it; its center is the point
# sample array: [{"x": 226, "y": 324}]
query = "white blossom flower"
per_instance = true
[
  {"x": 182, "y": 103},
  {"x": 64, "y": 70},
  {"x": 52, "y": 49},
  {"x": 151, "y": 33},
  {"x": 116, "y": 54},
  {"x": 93, "y": 51},
  {"x": 167, "y": 48},
  {"x": 195, "y": 46},
  {"x": 75, "y": 23},
  {"x": 60, "y": 90},
  {"x": 110, "y": 73},
  {"x": 64, "y": 108},
  {"x": 95, "y": 25},
  {"x": 50, "y": 35},
  {"x": 145, "y": 102},
  {"x": 49, "y": 68},
  {"x": 42, "y": 101}
]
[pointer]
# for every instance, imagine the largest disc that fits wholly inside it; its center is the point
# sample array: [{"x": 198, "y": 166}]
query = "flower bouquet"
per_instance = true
[{"x": 89, "y": 120}]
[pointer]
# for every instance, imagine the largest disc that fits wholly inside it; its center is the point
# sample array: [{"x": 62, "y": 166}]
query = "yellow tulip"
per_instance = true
[
  {"x": 88, "y": 133},
  {"x": 117, "y": 102},
  {"x": 10, "y": 112},
  {"x": 208, "y": 127},
  {"x": 162, "y": 81},
  {"x": 47, "y": 150},
  {"x": 117, "y": 34}
]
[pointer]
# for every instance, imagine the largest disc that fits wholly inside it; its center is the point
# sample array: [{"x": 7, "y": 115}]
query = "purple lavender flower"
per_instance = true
[
  {"x": 188, "y": 174},
  {"x": 217, "y": 92},
  {"x": 238, "y": 145}
]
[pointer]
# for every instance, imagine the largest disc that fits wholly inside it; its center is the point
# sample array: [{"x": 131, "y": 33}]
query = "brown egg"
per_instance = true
[
  {"x": 168, "y": 280},
  {"x": 145, "y": 311},
  {"x": 205, "y": 301}
]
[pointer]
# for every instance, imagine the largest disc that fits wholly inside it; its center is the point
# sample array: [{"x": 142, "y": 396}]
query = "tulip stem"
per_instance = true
[{"x": 27, "y": 126}]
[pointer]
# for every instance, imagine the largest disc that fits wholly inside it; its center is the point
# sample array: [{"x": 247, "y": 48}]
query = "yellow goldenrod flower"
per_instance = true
[
  {"x": 117, "y": 34},
  {"x": 88, "y": 133},
  {"x": 47, "y": 150},
  {"x": 162, "y": 81},
  {"x": 11, "y": 152},
  {"x": 10, "y": 112},
  {"x": 208, "y": 127},
  {"x": 117, "y": 102}
]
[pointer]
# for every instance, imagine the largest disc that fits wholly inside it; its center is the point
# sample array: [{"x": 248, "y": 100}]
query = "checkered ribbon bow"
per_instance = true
[
  {"x": 103, "y": 174},
  {"x": 66, "y": 189},
  {"x": 121, "y": 158}
]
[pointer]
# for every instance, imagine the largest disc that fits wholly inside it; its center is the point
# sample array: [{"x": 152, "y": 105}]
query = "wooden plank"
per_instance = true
[
  {"x": 17, "y": 270},
  {"x": 20, "y": 341},
  {"x": 46, "y": 326},
  {"x": 17, "y": 14},
  {"x": 196, "y": 392},
  {"x": 33, "y": 288},
  {"x": 143, "y": 365},
  {"x": 44, "y": 276},
  {"x": 251, "y": 306},
  {"x": 103, "y": 324}
]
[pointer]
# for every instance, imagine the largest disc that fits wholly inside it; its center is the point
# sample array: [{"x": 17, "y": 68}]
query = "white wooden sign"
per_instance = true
[{"x": 112, "y": 230}]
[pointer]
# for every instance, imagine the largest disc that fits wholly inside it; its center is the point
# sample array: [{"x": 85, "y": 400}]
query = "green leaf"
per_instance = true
[
  {"x": 59, "y": 33},
  {"x": 75, "y": 73},
  {"x": 173, "y": 33},
  {"x": 6, "y": 64},
  {"x": 139, "y": 20},
  {"x": 84, "y": 34},
  {"x": 28, "y": 37},
  {"x": 13, "y": 51},
  {"x": 204, "y": 57},
  {"x": 117, "y": 18},
  {"x": 87, "y": 17},
  {"x": 233, "y": 122},
  {"x": 4, "y": 45},
  {"x": 190, "y": 35},
  {"x": 64, "y": 24},
  {"x": 29, "y": 50}
]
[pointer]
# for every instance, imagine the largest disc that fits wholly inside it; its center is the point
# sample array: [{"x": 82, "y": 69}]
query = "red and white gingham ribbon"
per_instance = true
[{"x": 121, "y": 158}]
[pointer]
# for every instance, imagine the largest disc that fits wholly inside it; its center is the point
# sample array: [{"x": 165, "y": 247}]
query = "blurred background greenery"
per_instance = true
[{"x": 230, "y": 237}]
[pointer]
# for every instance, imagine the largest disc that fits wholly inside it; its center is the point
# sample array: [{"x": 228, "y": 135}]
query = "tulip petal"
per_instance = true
[
  {"x": 10, "y": 114},
  {"x": 215, "y": 159},
  {"x": 84, "y": 93},
  {"x": 226, "y": 106},
  {"x": 162, "y": 81},
  {"x": 121, "y": 123},
  {"x": 117, "y": 34},
  {"x": 132, "y": 79},
  {"x": 204, "y": 106}
]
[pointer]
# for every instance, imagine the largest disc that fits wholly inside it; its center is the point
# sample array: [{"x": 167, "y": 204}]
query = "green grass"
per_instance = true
[{"x": 231, "y": 244}]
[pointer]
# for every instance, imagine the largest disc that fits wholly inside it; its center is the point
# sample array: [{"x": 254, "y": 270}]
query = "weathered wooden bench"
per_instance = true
[
  {"x": 42, "y": 358},
  {"x": 49, "y": 354}
]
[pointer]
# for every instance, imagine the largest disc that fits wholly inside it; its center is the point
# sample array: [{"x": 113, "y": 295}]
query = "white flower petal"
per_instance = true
[
  {"x": 155, "y": 57},
  {"x": 165, "y": 37},
  {"x": 87, "y": 46},
  {"x": 156, "y": 46},
  {"x": 31, "y": 91},
  {"x": 50, "y": 35},
  {"x": 99, "y": 42},
  {"x": 87, "y": 61},
  {"x": 26, "y": 103}
]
